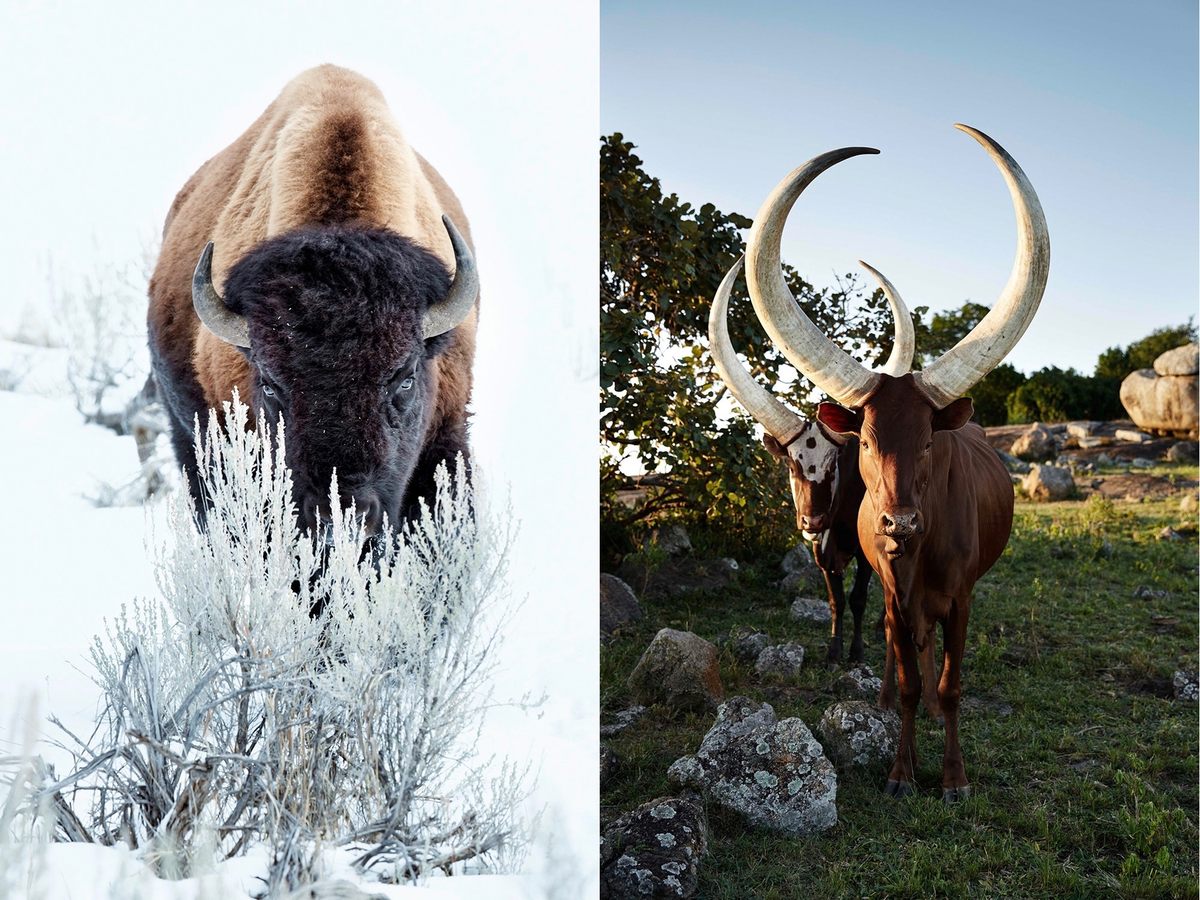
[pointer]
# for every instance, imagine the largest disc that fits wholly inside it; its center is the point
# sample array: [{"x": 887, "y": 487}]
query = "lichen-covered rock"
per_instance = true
[
  {"x": 679, "y": 669},
  {"x": 673, "y": 540},
  {"x": 1034, "y": 444},
  {"x": 1183, "y": 452},
  {"x": 1189, "y": 503},
  {"x": 856, "y": 733},
  {"x": 1014, "y": 465},
  {"x": 780, "y": 659},
  {"x": 1049, "y": 483},
  {"x": 860, "y": 682},
  {"x": 654, "y": 850},
  {"x": 747, "y": 643},
  {"x": 1183, "y": 360},
  {"x": 618, "y": 604},
  {"x": 772, "y": 773},
  {"x": 811, "y": 609},
  {"x": 798, "y": 559},
  {"x": 609, "y": 762},
  {"x": 1161, "y": 402},
  {"x": 621, "y": 720},
  {"x": 1184, "y": 686}
]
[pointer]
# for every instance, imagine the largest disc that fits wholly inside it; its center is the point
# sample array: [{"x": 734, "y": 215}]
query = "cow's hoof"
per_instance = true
[
  {"x": 898, "y": 789},
  {"x": 954, "y": 794},
  {"x": 856, "y": 655}
]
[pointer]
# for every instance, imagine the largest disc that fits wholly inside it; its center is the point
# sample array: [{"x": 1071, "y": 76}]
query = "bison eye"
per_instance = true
[
  {"x": 268, "y": 390},
  {"x": 406, "y": 384}
]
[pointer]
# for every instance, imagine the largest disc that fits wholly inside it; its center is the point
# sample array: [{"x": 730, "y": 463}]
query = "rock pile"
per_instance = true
[{"x": 1165, "y": 398}]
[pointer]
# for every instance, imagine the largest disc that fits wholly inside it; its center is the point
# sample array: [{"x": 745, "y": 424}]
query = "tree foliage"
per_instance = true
[
  {"x": 1056, "y": 395},
  {"x": 1117, "y": 363},
  {"x": 661, "y": 260}
]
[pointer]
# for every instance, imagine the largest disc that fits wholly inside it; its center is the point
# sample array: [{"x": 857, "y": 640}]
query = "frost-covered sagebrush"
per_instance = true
[{"x": 235, "y": 715}]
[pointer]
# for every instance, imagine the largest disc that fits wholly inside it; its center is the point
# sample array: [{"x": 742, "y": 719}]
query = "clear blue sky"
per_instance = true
[{"x": 1096, "y": 100}]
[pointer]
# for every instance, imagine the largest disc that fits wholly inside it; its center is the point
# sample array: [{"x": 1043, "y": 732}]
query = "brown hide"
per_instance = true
[{"x": 325, "y": 152}]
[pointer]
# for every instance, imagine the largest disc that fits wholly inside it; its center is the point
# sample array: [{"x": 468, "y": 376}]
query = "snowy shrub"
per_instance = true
[
  {"x": 233, "y": 716},
  {"x": 101, "y": 321}
]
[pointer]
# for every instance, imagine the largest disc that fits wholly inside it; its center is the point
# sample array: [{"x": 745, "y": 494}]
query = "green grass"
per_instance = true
[{"x": 1088, "y": 788}]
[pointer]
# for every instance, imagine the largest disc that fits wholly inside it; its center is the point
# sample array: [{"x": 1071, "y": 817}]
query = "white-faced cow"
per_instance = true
[
  {"x": 822, "y": 467},
  {"x": 938, "y": 506},
  {"x": 333, "y": 289}
]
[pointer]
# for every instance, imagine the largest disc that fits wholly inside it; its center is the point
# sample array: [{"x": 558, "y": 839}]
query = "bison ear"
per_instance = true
[
  {"x": 838, "y": 423},
  {"x": 954, "y": 416},
  {"x": 775, "y": 448}
]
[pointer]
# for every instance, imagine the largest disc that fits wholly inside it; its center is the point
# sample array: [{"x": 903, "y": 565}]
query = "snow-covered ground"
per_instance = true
[{"x": 68, "y": 564}]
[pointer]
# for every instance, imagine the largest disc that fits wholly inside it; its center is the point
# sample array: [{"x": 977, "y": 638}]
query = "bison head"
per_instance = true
[{"x": 341, "y": 327}]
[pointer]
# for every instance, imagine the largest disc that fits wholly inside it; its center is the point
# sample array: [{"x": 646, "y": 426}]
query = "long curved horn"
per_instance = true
[
  {"x": 216, "y": 316},
  {"x": 779, "y": 421},
  {"x": 464, "y": 290},
  {"x": 899, "y": 361},
  {"x": 957, "y": 370},
  {"x": 824, "y": 363}
]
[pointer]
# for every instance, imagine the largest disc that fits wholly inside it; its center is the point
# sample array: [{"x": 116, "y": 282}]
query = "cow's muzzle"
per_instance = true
[{"x": 900, "y": 524}]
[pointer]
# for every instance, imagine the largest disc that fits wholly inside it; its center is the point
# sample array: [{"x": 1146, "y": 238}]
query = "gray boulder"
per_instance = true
[
  {"x": 1161, "y": 402},
  {"x": 811, "y": 609},
  {"x": 1189, "y": 504},
  {"x": 654, "y": 850},
  {"x": 1183, "y": 452},
  {"x": 1185, "y": 687},
  {"x": 672, "y": 539},
  {"x": 621, "y": 720},
  {"x": 1049, "y": 483},
  {"x": 798, "y": 559},
  {"x": 772, "y": 773},
  {"x": 618, "y": 604},
  {"x": 856, "y": 733},
  {"x": 1183, "y": 360},
  {"x": 679, "y": 669},
  {"x": 781, "y": 659},
  {"x": 1014, "y": 465},
  {"x": 746, "y": 643},
  {"x": 860, "y": 682},
  {"x": 1034, "y": 444}
]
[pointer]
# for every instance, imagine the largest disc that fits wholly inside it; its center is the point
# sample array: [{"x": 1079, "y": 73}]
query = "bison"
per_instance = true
[
  {"x": 938, "y": 506},
  {"x": 323, "y": 269}
]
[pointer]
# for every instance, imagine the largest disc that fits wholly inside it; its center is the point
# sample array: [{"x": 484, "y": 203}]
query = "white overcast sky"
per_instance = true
[
  {"x": 107, "y": 108},
  {"x": 1096, "y": 99}
]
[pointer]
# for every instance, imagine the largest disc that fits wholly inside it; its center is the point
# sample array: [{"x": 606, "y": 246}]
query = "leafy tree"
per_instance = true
[
  {"x": 1116, "y": 363},
  {"x": 661, "y": 260},
  {"x": 1054, "y": 395},
  {"x": 945, "y": 329},
  {"x": 991, "y": 394}
]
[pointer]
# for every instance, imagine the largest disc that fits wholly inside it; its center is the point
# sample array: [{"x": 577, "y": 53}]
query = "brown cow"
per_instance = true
[
  {"x": 822, "y": 467},
  {"x": 332, "y": 290},
  {"x": 938, "y": 506}
]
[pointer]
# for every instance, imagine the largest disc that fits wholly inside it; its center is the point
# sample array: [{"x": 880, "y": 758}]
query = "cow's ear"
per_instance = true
[
  {"x": 954, "y": 416},
  {"x": 776, "y": 449},
  {"x": 838, "y": 423}
]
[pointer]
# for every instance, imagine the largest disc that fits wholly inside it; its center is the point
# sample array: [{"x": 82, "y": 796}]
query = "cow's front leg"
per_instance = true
[
  {"x": 954, "y": 636},
  {"x": 900, "y": 780},
  {"x": 837, "y": 604},
  {"x": 858, "y": 605}
]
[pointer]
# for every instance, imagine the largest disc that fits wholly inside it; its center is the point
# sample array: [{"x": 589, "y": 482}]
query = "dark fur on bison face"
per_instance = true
[{"x": 337, "y": 349}]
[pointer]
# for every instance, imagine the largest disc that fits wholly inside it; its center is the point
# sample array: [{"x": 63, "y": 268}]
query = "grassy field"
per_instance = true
[{"x": 1084, "y": 768}]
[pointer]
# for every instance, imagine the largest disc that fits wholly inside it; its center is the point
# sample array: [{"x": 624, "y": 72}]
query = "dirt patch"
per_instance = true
[{"x": 1132, "y": 486}]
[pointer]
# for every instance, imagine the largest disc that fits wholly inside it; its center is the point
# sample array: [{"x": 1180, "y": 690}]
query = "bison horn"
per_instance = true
[
  {"x": 779, "y": 421},
  {"x": 824, "y": 363},
  {"x": 464, "y": 290},
  {"x": 899, "y": 361},
  {"x": 216, "y": 316},
  {"x": 961, "y": 367}
]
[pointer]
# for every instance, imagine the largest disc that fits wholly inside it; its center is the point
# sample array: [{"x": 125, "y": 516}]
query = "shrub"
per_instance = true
[{"x": 231, "y": 716}]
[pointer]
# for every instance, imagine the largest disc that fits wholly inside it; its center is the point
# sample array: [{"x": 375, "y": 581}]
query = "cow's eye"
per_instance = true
[
  {"x": 406, "y": 384},
  {"x": 268, "y": 389}
]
